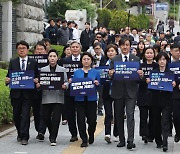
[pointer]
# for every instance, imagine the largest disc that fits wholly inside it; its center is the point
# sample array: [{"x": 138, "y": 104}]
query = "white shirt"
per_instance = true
[
  {"x": 75, "y": 34},
  {"x": 25, "y": 62},
  {"x": 74, "y": 58},
  {"x": 123, "y": 57}
]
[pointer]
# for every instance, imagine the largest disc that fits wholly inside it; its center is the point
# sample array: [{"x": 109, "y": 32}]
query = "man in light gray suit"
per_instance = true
[{"x": 124, "y": 94}]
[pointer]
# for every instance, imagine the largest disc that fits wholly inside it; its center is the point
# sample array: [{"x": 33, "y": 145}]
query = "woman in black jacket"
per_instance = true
[
  {"x": 144, "y": 97},
  {"x": 110, "y": 52},
  {"x": 161, "y": 106}
]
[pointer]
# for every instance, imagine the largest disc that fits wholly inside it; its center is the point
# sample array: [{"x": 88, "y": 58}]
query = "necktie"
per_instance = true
[
  {"x": 126, "y": 58},
  {"x": 23, "y": 65},
  {"x": 75, "y": 58}
]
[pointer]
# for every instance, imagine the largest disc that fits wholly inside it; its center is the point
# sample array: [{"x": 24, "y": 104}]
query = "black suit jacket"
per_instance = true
[
  {"x": 120, "y": 87},
  {"x": 15, "y": 65}
]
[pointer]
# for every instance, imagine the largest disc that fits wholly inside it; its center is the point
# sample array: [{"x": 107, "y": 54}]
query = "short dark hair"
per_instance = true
[
  {"x": 87, "y": 23},
  {"x": 22, "y": 43},
  {"x": 50, "y": 20},
  {"x": 41, "y": 43},
  {"x": 58, "y": 19},
  {"x": 162, "y": 54},
  {"x": 46, "y": 40},
  {"x": 174, "y": 46},
  {"x": 110, "y": 46},
  {"x": 88, "y": 54},
  {"x": 123, "y": 40},
  {"x": 97, "y": 44},
  {"x": 53, "y": 50},
  {"x": 64, "y": 21}
]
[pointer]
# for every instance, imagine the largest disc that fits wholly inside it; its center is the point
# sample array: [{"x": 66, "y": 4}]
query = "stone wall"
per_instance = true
[{"x": 30, "y": 20}]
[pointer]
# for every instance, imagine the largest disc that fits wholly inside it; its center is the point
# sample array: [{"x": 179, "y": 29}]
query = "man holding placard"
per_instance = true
[
  {"x": 22, "y": 89},
  {"x": 124, "y": 90}
]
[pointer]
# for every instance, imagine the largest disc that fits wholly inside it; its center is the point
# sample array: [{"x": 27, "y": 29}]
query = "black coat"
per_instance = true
[
  {"x": 15, "y": 65},
  {"x": 144, "y": 95},
  {"x": 86, "y": 39}
]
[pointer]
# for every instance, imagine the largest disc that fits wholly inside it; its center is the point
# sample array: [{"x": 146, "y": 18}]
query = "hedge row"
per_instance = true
[
  {"x": 116, "y": 19},
  {"x": 5, "y": 106}
]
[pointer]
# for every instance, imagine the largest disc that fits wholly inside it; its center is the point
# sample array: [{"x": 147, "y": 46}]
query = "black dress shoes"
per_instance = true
[
  {"x": 24, "y": 142},
  {"x": 130, "y": 145},
  {"x": 121, "y": 144},
  {"x": 159, "y": 146},
  {"x": 165, "y": 148},
  {"x": 176, "y": 138},
  {"x": 73, "y": 139},
  {"x": 84, "y": 145},
  {"x": 145, "y": 139},
  {"x": 91, "y": 139}
]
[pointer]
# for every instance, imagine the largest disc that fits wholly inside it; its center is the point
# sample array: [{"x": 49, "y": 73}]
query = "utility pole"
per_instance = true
[{"x": 101, "y": 3}]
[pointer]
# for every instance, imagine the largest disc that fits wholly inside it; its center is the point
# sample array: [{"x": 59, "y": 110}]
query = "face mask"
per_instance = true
[
  {"x": 146, "y": 46},
  {"x": 168, "y": 49}
]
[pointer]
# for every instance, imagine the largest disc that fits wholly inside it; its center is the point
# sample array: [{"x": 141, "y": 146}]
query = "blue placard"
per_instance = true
[
  {"x": 126, "y": 70},
  {"x": 21, "y": 79},
  {"x": 82, "y": 87},
  {"x": 161, "y": 81},
  {"x": 175, "y": 68},
  {"x": 103, "y": 70}
]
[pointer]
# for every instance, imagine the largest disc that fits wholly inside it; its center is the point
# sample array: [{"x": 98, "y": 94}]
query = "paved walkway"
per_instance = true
[{"x": 9, "y": 145}]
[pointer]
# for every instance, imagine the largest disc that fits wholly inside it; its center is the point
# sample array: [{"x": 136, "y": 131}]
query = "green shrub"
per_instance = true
[
  {"x": 6, "y": 114},
  {"x": 59, "y": 48},
  {"x": 4, "y": 65}
]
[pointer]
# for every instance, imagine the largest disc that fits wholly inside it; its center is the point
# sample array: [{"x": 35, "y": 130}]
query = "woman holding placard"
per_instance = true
[
  {"x": 87, "y": 105},
  {"x": 110, "y": 52},
  {"x": 53, "y": 100},
  {"x": 144, "y": 96},
  {"x": 161, "y": 105}
]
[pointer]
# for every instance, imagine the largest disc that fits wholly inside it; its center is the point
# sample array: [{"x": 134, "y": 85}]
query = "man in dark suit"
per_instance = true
[
  {"x": 69, "y": 100},
  {"x": 175, "y": 57},
  {"x": 21, "y": 98},
  {"x": 124, "y": 94}
]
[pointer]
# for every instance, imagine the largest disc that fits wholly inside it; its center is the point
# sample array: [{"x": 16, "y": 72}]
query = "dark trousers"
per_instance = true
[
  {"x": 176, "y": 116},
  {"x": 64, "y": 114},
  {"x": 119, "y": 106},
  {"x": 38, "y": 117},
  {"x": 100, "y": 101},
  {"x": 52, "y": 117},
  {"x": 71, "y": 114},
  {"x": 146, "y": 122},
  {"x": 21, "y": 116},
  {"x": 86, "y": 110},
  {"x": 161, "y": 124},
  {"x": 108, "y": 107}
]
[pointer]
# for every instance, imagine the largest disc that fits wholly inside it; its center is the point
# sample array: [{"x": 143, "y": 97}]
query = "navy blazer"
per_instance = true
[
  {"x": 93, "y": 74},
  {"x": 15, "y": 65}
]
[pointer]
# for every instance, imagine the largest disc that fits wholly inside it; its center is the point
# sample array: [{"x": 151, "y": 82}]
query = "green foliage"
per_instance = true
[
  {"x": 117, "y": 19},
  {"x": 173, "y": 11},
  {"x": 104, "y": 17},
  {"x": 59, "y": 7},
  {"x": 59, "y": 48},
  {"x": 6, "y": 114}
]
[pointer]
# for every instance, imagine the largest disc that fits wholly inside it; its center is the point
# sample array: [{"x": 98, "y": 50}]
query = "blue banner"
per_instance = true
[
  {"x": 103, "y": 70},
  {"x": 82, "y": 87},
  {"x": 161, "y": 81},
  {"x": 175, "y": 68},
  {"x": 126, "y": 70},
  {"x": 21, "y": 79}
]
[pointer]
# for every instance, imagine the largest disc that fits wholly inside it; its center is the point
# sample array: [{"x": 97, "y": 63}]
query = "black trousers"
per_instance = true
[
  {"x": 108, "y": 107},
  {"x": 146, "y": 122},
  {"x": 64, "y": 114},
  {"x": 52, "y": 116},
  {"x": 70, "y": 108},
  {"x": 176, "y": 116},
  {"x": 100, "y": 101},
  {"x": 38, "y": 117},
  {"x": 86, "y": 110},
  {"x": 161, "y": 124},
  {"x": 21, "y": 116}
]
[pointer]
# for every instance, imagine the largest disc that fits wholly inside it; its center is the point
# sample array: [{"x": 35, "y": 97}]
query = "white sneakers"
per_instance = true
[
  {"x": 107, "y": 138},
  {"x": 116, "y": 138}
]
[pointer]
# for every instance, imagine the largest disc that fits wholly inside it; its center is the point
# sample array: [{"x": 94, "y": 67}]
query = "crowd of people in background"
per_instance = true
[{"x": 159, "y": 110}]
